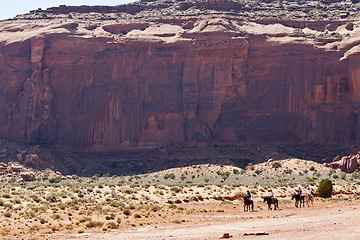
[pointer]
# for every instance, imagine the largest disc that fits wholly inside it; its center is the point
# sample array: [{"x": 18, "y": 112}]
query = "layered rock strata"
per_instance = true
[{"x": 76, "y": 83}]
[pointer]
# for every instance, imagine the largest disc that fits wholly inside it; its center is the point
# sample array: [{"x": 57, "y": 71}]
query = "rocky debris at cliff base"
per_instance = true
[
  {"x": 347, "y": 164},
  {"x": 13, "y": 171}
]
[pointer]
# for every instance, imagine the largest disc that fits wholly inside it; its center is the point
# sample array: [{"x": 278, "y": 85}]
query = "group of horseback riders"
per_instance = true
[
  {"x": 248, "y": 202},
  {"x": 299, "y": 192},
  {"x": 299, "y": 197},
  {"x": 248, "y": 194}
]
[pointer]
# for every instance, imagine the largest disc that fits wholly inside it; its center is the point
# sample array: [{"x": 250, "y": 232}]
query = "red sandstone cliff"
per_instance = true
[{"x": 77, "y": 83}]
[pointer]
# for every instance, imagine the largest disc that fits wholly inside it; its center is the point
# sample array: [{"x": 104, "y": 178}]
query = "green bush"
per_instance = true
[
  {"x": 55, "y": 180},
  {"x": 170, "y": 175},
  {"x": 276, "y": 165},
  {"x": 325, "y": 188},
  {"x": 127, "y": 212}
]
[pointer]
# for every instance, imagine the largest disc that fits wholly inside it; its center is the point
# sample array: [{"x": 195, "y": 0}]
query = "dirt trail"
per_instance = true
[{"x": 320, "y": 222}]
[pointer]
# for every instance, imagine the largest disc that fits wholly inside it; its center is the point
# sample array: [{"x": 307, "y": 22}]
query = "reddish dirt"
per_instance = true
[{"x": 333, "y": 221}]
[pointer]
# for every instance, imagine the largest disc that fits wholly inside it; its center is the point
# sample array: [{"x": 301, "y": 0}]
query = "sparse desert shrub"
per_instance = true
[
  {"x": 137, "y": 215},
  {"x": 55, "y": 180},
  {"x": 111, "y": 216},
  {"x": 114, "y": 203},
  {"x": 62, "y": 206},
  {"x": 16, "y": 201},
  {"x": 112, "y": 225},
  {"x": 312, "y": 168},
  {"x": 258, "y": 171},
  {"x": 169, "y": 175},
  {"x": 175, "y": 190},
  {"x": 6, "y": 195},
  {"x": 84, "y": 219},
  {"x": 235, "y": 171},
  {"x": 173, "y": 206},
  {"x": 128, "y": 191},
  {"x": 325, "y": 188},
  {"x": 92, "y": 224},
  {"x": 36, "y": 198},
  {"x": 224, "y": 175},
  {"x": 7, "y": 214},
  {"x": 127, "y": 211},
  {"x": 155, "y": 208},
  {"x": 276, "y": 165},
  {"x": 50, "y": 197}
]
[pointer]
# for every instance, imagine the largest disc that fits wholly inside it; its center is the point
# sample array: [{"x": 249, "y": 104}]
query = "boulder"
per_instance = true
[
  {"x": 347, "y": 164},
  {"x": 32, "y": 159},
  {"x": 15, "y": 168},
  {"x": 26, "y": 176},
  {"x": 3, "y": 166},
  {"x": 19, "y": 157}
]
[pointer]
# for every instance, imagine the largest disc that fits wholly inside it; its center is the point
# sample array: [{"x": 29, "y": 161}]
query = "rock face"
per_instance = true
[
  {"x": 347, "y": 164},
  {"x": 77, "y": 85}
]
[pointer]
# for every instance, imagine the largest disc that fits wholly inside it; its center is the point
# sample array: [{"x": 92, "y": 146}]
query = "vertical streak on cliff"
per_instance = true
[{"x": 37, "y": 98}]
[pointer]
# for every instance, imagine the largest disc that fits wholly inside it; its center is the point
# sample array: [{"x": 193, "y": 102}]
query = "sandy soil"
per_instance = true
[{"x": 333, "y": 221}]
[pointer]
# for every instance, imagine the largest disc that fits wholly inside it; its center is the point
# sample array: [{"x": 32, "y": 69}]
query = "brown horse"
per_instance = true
[
  {"x": 271, "y": 200},
  {"x": 247, "y": 204},
  {"x": 298, "y": 199}
]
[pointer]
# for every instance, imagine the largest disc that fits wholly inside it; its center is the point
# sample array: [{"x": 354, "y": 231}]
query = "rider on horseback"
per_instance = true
[
  {"x": 271, "y": 194},
  {"x": 248, "y": 195},
  {"x": 309, "y": 193},
  {"x": 299, "y": 192}
]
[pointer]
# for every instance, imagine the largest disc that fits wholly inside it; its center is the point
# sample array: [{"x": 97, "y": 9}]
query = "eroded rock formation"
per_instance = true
[{"x": 82, "y": 82}]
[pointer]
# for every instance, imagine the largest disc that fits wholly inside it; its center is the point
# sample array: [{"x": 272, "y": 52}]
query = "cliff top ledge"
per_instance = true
[{"x": 177, "y": 9}]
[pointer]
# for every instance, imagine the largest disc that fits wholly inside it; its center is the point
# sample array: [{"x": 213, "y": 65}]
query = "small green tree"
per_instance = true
[
  {"x": 325, "y": 188},
  {"x": 276, "y": 165}
]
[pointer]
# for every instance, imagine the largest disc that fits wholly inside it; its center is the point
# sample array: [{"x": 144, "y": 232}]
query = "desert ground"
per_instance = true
[
  {"x": 325, "y": 221},
  {"x": 195, "y": 202}
]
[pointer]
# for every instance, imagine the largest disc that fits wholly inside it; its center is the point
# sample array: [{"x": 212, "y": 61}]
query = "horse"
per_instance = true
[
  {"x": 247, "y": 204},
  {"x": 310, "y": 200},
  {"x": 271, "y": 200},
  {"x": 298, "y": 198}
]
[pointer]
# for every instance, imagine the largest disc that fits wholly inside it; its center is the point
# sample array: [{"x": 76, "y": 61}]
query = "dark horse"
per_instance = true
[
  {"x": 298, "y": 198},
  {"x": 269, "y": 201},
  {"x": 247, "y": 204}
]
